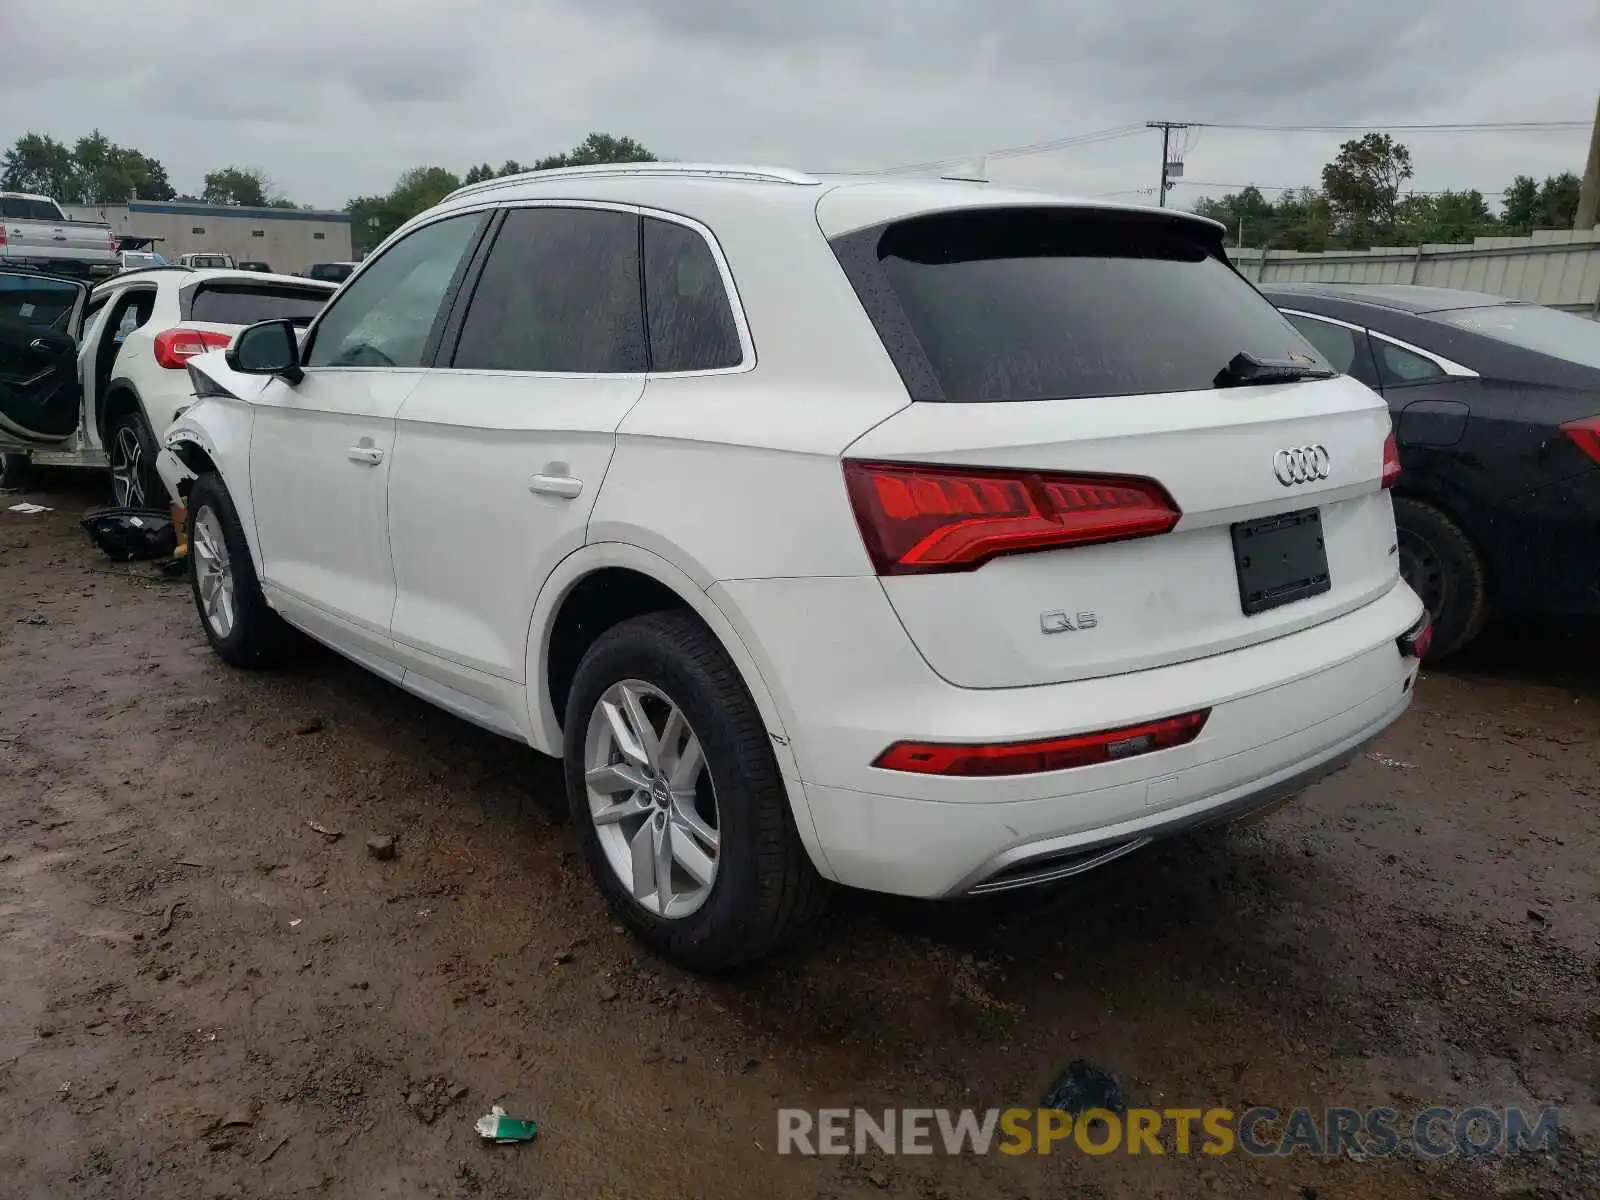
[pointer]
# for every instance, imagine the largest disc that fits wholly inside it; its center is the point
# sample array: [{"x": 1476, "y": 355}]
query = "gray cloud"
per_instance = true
[{"x": 334, "y": 97}]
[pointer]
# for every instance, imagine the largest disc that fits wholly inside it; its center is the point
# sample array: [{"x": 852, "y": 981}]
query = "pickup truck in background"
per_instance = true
[{"x": 34, "y": 233}]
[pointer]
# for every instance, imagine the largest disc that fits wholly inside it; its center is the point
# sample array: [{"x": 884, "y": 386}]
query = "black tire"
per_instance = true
[
  {"x": 16, "y": 471},
  {"x": 131, "y": 449},
  {"x": 766, "y": 893},
  {"x": 1443, "y": 567},
  {"x": 256, "y": 636}
]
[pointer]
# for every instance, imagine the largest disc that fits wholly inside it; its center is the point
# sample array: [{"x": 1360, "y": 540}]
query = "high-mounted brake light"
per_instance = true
[
  {"x": 1391, "y": 460},
  {"x": 175, "y": 347},
  {"x": 1586, "y": 433},
  {"x": 917, "y": 518},
  {"x": 1051, "y": 754}
]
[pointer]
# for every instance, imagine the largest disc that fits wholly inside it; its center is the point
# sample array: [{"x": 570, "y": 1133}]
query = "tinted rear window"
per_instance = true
[
  {"x": 1036, "y": 304},
  {"x": 247, "y": 305},
  {"x": 331, "y": 272},
  {"x": 19, "y": 209}
]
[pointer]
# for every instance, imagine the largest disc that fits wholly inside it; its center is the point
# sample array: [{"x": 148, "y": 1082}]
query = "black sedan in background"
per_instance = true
[{"x": 1496, "y": 409}]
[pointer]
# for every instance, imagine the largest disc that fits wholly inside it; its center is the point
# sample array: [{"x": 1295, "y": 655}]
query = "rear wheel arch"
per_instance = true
[
  {"x": 647, "y": 574},
  {"x": 120, "y": 398}
]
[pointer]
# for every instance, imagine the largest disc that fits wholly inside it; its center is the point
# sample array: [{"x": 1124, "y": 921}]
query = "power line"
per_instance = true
[
  {"x": 1045, "y": 147},
  {"x": 1448, "y": 127}
]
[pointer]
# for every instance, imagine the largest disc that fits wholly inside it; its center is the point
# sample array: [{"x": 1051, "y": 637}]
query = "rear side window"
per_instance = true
[
  {"x": 1042, "y": 304},
  {"x": 691, "y": 321},
  {"x": 559, "y": 292},
  {"x": 19, "y": 209},
  {"x": 247, "y": 305},
  {"x": 1346, "y": 350},
  {"x": 1399, "y": 366}
]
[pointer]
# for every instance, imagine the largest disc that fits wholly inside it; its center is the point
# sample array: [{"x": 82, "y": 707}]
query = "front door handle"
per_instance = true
[
  {"x": 369, "y": 456},
  {"x": 564, "y": 486}
]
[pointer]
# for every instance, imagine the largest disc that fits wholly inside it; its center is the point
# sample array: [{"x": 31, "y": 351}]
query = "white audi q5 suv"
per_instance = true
[{"x": 921, "y": 536}]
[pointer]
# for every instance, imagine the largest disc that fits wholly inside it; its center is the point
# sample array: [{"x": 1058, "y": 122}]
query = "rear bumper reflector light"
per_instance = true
[
  {"x": 1050, "y": 754},
  {"x": 1414, "y": 642},
  {"x": 918, "y": 518}
]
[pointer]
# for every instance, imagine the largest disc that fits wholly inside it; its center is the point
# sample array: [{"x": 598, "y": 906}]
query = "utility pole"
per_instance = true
[
  {"x": 1167, "y": 164},
  {"x": 1588, "y": 214}
]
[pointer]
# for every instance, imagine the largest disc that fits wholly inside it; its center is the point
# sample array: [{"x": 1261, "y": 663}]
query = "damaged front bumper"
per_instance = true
[{"x": 175, "y": 473}]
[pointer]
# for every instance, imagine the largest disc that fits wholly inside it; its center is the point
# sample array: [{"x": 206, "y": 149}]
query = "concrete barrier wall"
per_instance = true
[{"x": 1556, "y": 267}]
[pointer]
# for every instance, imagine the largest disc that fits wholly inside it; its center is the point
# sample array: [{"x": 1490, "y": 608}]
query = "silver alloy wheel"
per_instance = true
[
  {"x": 127, "y": 463},
  {"x": 651, "y": 798},
  {"x": 213, "y": 571}
]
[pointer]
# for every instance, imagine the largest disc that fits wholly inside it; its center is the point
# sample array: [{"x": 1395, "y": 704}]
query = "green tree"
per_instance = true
[
  {"x": 1247, "y": 211},
  {"x": 374, "y": 218},
  {"x": 595, "y": 149},
  {"x": 1447, "y": 217},
  {"x": 478, "y": 174},
  {"x": 106, "y": 173},
  {"x": 1362, "y": 185},
  {"x": 1552, "y": 204},
  {"x": 40, "y": 164},
  {"x": 242, "y": 186}
]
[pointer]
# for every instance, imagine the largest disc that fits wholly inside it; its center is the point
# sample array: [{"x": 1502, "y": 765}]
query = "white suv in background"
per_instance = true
[
  {"x": 90, "y": 378},
  {"x": 920, "y": 536}
]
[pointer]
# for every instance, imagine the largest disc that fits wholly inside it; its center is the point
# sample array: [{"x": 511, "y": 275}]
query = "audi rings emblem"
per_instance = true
[{"x": 1302, "y": 464}]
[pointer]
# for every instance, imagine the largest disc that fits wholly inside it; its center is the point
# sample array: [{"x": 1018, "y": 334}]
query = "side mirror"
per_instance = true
[{"x": 267, "y": 348}]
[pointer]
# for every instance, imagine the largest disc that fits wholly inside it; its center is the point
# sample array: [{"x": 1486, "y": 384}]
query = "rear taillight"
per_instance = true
[
  {"x": 115, "y": 244},
  {"x": 1416, "y": 641},
  {"x": 917, "y": 518},
  {"x": 1391, "y": 460},
  {"x": 175, "y": 347},
  {"x": 1052, "y": 754},
  {"x": 2, "y": 235},
  {"x": 1586, "y": 435}
]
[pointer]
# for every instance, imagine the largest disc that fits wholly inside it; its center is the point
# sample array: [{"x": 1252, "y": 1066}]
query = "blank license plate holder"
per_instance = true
[{"x": 1280, "y": 559}]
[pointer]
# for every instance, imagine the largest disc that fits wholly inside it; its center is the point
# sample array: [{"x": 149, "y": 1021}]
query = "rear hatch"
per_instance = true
[{"x": 1119, "y": 455}]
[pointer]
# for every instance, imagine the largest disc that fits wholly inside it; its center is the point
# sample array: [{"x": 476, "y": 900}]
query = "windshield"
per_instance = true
[
  {"x": 1545, "y": 330},
  {"x": 1035, "y": 304}
]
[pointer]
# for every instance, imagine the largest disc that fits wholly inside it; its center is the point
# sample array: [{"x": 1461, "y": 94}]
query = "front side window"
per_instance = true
[
  {"x": 384, "y": 319},
  {"x": 559, "y": 292},
  {"x": 691, "y": 321}
]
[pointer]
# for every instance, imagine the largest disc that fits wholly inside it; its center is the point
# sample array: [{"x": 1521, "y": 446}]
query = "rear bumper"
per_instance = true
[{"x": 1282, "y": 713}]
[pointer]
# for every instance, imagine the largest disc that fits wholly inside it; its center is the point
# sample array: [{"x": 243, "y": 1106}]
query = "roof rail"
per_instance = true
[{"x": 602, "y": 170}]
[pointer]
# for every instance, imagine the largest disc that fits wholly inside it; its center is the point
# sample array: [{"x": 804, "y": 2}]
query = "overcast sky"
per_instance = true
[{"x": 333, "y": 98}]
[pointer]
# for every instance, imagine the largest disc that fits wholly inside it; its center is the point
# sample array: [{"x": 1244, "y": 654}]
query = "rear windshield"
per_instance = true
[
  {"x": 19, "y": 209},
  {"x": 330, "y": 272},
  {"x": 1544, "y": 330},
  {"x": 235, "y": 305},
  {"x": 1036, "y": 304}
]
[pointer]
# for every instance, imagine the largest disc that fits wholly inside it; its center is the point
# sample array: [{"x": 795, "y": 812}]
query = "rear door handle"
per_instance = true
[
  {"x": 369, "y": 456},
  {"x": 564, "y": 486}
]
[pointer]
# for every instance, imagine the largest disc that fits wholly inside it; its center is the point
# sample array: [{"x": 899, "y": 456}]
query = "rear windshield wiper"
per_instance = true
[{"x": 1246, "y": 370}]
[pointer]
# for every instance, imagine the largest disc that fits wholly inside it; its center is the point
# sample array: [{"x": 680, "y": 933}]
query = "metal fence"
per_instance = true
[{"x": 1555, "y": 267}]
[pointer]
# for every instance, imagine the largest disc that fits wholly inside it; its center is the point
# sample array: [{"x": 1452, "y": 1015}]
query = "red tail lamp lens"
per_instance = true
[
  {"x": 175, "y": 347},
  {"x": 917, "y": 519},
  {"x": 1391, "y": 460}
]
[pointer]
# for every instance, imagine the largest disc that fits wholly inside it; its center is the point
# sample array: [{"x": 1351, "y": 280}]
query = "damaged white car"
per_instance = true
[{"x": 88, "y": 378}]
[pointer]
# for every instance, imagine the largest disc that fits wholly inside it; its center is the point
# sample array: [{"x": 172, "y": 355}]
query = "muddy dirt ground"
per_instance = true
[{"x": 203, "y": 996}]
